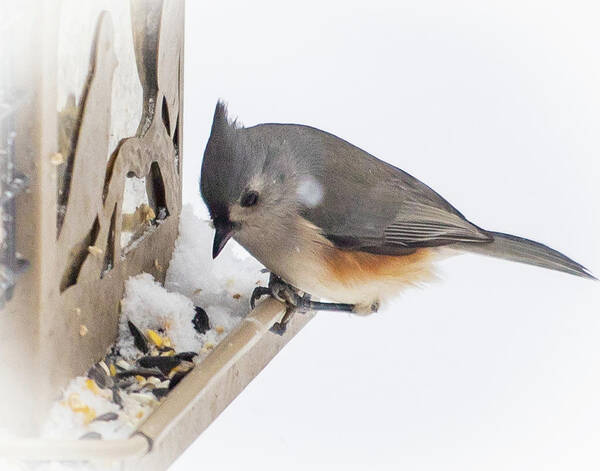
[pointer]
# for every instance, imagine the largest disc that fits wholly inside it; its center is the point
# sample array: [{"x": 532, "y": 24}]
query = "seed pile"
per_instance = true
[
  {"x": 159, "y": 339},
  {"x": 128, "y": 390}
]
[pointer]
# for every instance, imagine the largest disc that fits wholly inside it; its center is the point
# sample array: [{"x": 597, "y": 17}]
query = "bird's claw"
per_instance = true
[
  {"x": 279, "y": 328},
  {"x": 258, "y": 293},
  {"x": 294, "y": 300},
  {"x": 289, "y": 295}
]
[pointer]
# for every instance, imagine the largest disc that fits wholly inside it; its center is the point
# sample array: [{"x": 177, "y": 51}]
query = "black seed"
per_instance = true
[
  {"x": 160, "y": 392},
  {"x": 165, "y": 349},
  {"x": 164, "y": 364},
  {"x": 107, "y": 417},
  {"x": 200, "y": 320},
  {"x": 139, "y": 339},
  {"x": 176, "y": 378},
  {"x": 145, "y": 372},
  {"x": 91, "y": 436},
  {"x": 186, "y": 356}
]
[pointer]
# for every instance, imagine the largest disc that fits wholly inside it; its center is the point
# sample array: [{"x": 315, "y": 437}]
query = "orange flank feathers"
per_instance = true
[{"x": 356, "y": 268}]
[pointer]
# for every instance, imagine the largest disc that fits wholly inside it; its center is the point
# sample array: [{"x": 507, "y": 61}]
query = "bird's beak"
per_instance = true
[{"x": 223, "y": 232}]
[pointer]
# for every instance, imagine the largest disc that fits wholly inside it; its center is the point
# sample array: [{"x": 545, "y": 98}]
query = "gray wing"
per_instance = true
[
  {"x": 415, "y": 224},
  {"x": 419, "y": 224},
  {"x": 372, "y": 206}
]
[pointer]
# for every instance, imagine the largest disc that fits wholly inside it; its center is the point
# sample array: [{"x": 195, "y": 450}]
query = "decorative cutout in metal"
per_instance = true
[
  {"x": 100, "y": 141},
  {"x": 90, "y": 218}
]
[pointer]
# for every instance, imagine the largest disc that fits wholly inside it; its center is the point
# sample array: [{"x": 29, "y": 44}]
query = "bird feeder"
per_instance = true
[
  {"x": 91, "y": 109},
  {"x": 92, "y": 123}
]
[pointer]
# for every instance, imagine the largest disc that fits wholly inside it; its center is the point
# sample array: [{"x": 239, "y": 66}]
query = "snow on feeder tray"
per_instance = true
[{"x": 103, "y": 164}]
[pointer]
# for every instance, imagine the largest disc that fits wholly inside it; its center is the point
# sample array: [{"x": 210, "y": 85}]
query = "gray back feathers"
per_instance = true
[
  {"x": 356, "y": 200},
  {"x": 367, "y": 204}
]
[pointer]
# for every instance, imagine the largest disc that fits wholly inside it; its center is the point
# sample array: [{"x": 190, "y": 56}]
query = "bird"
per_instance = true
[{"x": 331, "y": 221}]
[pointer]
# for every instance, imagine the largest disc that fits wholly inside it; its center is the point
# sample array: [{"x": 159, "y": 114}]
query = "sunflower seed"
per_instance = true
[
  {"x": 107, "y": 417},
  {"x": 123, "y": 364},
  {"x": 147, "y": 387},
  {"x": 187, "y": 356},
  {"x": 153, "y": 380},
  {"x": 97, "y": 374},
  {"x": 126, "y": 384},
  {"x": 117, "y": 398},
  {"x": 145, "y": 372},
  {"x": 102, "y": 364},
  {"x": 200, "y": 321},
  {"x": 160, "y": 392},
  {"x": 164, "y": 364},
  {"x": 164, "y": 349},
  {"x": 176, "y": 378},
  {"x": 139, "y": 340}
]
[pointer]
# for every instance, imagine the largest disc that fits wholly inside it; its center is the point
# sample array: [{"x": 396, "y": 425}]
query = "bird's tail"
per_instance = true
[{"x": 518, "y": 249}]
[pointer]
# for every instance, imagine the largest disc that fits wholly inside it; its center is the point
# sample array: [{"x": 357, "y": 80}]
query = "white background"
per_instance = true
[{"x": 496, "y": 105}]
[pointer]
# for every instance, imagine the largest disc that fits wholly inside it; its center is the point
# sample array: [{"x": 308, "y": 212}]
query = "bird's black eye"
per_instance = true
[{"x": 249, "y": 199}]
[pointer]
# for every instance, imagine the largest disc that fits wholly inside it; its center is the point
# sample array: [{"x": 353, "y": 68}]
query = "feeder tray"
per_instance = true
[{"x": 189, "y": 409}]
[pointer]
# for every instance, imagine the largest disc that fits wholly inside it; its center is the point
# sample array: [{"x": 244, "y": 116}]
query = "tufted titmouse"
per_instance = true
[{"x": 334, "y": 221}]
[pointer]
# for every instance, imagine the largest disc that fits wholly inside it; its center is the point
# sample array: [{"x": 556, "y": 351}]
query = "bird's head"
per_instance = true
[{"x": 247, "y": 179}]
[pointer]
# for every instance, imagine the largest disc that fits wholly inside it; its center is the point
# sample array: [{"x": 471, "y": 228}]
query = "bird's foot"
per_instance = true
[
  {"x": 281, "y": 291},
  {"x": 294, "y": 299},
  {"x": 258, "y": 293}
]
